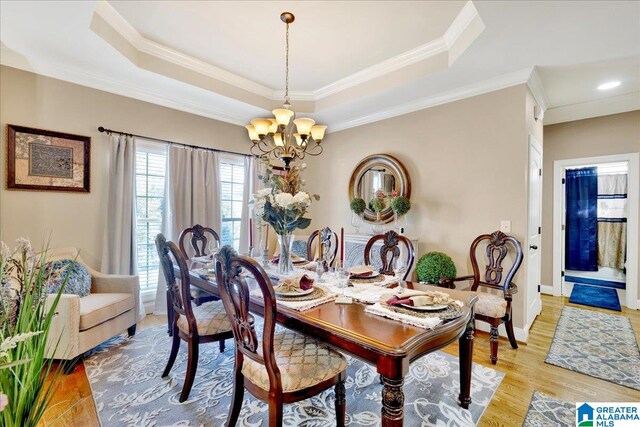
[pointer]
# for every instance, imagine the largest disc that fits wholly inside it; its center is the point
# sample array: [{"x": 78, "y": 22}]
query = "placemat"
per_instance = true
[
  {"x": 452, "y": 311},
  {"x": 317, "y": 293}
]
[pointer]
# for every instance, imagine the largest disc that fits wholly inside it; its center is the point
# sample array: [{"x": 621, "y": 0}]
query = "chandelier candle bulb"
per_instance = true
[
  {"x": 304, "y": 126},
  {"x": 317, "y": 132},
  {"x": 261, "y": 126},
  {"x": 253, "y": 135},
  {"x": 283, "y": 116},
  {"x": 274, "y": 126},
  {"x": 298, "y": 139},
  {"x": 277, "y": 139}
]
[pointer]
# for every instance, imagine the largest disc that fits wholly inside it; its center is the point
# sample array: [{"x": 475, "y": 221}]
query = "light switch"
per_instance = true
[{"x": 505, "y": 226}]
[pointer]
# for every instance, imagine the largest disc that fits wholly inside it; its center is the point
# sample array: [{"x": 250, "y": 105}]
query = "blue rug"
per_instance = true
[{"x": 595, "y": 296}]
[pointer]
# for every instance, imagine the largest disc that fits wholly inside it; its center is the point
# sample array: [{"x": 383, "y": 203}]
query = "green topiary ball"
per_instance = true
[
  {"x": 435, "y": 265},
  {"x": 401, "y": 205},
  {"x": 358, "y": 206}
]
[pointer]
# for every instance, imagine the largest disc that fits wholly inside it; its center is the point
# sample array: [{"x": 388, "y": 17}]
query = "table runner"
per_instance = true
[
  {"x": 304, "y": 304},
  {"x": 426, "y": 323}
]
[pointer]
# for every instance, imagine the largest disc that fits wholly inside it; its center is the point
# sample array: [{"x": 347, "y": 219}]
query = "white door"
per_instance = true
[{"x": 532, "y": 251}]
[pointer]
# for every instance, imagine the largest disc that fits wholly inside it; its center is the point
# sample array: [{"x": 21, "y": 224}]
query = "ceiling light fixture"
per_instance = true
[
  {"x": 609, "y": 85},
  {"x": 285, "y": 137}
]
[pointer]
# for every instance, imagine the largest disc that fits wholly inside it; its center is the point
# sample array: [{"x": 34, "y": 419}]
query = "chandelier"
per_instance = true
[{"x": 285, "y": 137}]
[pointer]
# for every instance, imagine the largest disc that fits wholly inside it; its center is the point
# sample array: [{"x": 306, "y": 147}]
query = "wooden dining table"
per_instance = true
[{"x": 387, "y": 344}]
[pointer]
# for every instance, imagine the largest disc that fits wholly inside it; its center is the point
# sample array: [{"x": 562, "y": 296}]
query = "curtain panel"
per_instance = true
[
  {"x": 581, "y": 187},
  {"x": 192, "y": 191}
]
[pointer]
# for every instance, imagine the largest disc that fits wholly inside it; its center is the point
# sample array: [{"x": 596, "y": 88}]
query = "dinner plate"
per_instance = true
[
  {"x": 434, "y": 307},
  {"x": 370, "y": 276},
  {"x": 293, "y": 294},
  {"x": 299, "y": 260}
]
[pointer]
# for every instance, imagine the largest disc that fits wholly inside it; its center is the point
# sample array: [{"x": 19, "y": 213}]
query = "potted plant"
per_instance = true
[
  {"x": 400, "y": 206},
  {"x": 433, "y": 266},
  {"x": 27, "y": 378},
  {"x": 358, "y": 206},
  {"x": 283, "y": 204},
  {"x": 378, "y": 204}
]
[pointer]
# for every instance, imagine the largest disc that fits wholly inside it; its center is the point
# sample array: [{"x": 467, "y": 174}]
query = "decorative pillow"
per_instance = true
[{"x": 79, "y": 281}]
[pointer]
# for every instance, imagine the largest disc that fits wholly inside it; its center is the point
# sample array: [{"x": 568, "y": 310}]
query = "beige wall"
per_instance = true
[
  {"x": 467, "y": 161},
  {"x": 78, "y": 219},
  {"x": 600, "y": 136}
]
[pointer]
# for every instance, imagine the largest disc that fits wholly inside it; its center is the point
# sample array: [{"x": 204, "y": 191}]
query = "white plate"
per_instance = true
[
  {"x": 425, "y": 307},
  {"x": 371, "y": 276},
  {"x": 293, "y": 294},
  {"x": 299, "y": 260}
]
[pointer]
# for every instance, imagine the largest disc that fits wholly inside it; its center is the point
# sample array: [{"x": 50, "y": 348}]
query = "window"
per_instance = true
[
  {"x": 232, "y": 188},
  {"x": 150, "y": 172}
]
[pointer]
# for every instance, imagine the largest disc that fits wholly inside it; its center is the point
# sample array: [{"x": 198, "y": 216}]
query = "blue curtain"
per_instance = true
[{"x": 581, "y": 239}]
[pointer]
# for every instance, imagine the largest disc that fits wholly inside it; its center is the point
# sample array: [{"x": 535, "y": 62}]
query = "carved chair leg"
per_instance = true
[
  {"x": 341, "y": 401},
  {"x": 238, "y": 392},
  {"x": 392, "y": 402},
  {"x": 275, "y": 411},
  {"x": 175, "y": 346},
  {"x": 222, "y": 346},
  {"x": 512, "y": 336},
  {"x": 493, "y": 343},
  {"x": 192, "y": 366}
]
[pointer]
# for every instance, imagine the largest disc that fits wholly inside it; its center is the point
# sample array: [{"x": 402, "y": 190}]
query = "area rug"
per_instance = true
[
  {"x": 595, "y": 296},
  {"x": 546, "y": 411},
  {"x": 124, "y": 374},
  {"x": 600, "y": 345}
]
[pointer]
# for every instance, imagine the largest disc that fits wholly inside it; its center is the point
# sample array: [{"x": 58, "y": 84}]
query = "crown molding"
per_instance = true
[
  {"x": 460, "y": 23},
  {"x": 10, "y": 58},
  {"x": 599, "y": 107},
  {"x": 537, "y": 88},
  {"x": 502, "y": 82}
]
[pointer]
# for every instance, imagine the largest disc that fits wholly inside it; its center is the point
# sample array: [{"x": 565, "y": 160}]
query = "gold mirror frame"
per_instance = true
[{"x": 389, "y": 162}]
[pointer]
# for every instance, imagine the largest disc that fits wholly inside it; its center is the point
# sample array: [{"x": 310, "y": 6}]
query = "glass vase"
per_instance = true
[
  {"x": 378, "y": 225},
  {"x": 285, "y": 263},
  {"x": 357, "y": 220}
]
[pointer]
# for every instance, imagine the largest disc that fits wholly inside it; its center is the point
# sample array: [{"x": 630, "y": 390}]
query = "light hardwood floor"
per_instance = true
[{"x": 524, "y": 368}]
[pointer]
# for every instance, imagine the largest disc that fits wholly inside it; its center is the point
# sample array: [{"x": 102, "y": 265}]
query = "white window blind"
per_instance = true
[
  {"x": 232, "y": 186},
  {"x": 150, "y": 174}
]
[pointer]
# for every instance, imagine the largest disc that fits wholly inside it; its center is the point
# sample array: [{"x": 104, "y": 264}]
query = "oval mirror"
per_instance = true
[{"x": 379, "y": 172}]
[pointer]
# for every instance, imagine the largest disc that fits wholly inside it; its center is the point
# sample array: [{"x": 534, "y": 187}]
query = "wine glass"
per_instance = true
[
  {"x": 213, "y": 247},
  {"x": 342, "y": 275},
  {"x": 399, "y": 268}
]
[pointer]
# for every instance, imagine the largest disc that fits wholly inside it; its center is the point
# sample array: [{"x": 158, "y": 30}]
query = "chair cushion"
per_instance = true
[
  {"x": 98, "y": 308},
  {"x": 210, "y": 318},
  {"x": 490, "y": 305},
  {"x": 78, "y": 278},
  {"x": 303, "y": 362}
]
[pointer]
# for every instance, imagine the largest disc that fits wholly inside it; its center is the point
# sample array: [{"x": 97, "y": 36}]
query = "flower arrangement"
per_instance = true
[
  {"x": 358, "y": 206},
  {"x": 283, "y": 204},
  {"x": 26, "y": 386},
  {"x": 379, "y": 201}
]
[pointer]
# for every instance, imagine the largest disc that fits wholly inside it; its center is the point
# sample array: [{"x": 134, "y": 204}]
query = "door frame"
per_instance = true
[
  {"x": 633, "y": 191},
  {"x": 534, "y": 310}
]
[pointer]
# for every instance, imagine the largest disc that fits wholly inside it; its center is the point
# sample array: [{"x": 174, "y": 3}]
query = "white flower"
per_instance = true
[
  {"x": 284, "y": 200},
  {"x": 261, "y": 194},
  {"x": 258, "y": 208},
  {"x": 302, "y": 198},
  {"x": 24, "y": 245}
]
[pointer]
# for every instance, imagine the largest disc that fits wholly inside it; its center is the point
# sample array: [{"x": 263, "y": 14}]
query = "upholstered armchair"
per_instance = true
[{"x": 82, "y": 323}]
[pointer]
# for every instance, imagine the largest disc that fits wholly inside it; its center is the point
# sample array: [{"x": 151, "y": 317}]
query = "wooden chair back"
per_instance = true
[
  {"x": 329, "y": 244},
  {"x": 178, "y": 294},
  {"x": 390, "y": 251},
  {"x": 234, "y": 292},
  {"x": 198, "y": 239},
  {"x": 496, "y": 252}
]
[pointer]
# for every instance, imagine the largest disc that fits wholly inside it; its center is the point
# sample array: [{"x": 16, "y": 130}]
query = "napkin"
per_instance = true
[
  {"x": 295, "y": 283},
  {"x": 361, "y": 271},
  {"x": 294, "y": 258},
  {"x": 311, "y": 266},
  {"x": 419, "y": 298}
]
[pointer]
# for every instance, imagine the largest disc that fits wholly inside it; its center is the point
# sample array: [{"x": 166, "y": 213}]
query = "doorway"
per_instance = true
[{"x": 595, "y": 247}]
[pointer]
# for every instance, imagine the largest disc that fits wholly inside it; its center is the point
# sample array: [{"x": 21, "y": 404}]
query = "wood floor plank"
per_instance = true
[{"x": 524, "y": 368}]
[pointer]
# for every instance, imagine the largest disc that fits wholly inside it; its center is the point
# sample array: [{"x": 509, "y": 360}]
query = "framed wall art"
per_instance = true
[{"x": 44, "y": 160}]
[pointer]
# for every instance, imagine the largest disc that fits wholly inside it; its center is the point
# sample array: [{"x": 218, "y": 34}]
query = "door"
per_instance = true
[{"x": 532, "y": 253}]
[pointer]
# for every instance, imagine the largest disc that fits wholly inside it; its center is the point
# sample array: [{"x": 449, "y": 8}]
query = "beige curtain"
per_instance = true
[
  {"x": 119, "y": 243},
  {"x": 250, "y": 187},
  {"x": 191, "y": 197},
  {"x": 612, "y": 244},
  {"x": 612, "y": 215}
]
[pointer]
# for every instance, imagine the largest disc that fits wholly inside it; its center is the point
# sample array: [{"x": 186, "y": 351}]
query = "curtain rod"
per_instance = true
[{"x": 166, "y": 141}]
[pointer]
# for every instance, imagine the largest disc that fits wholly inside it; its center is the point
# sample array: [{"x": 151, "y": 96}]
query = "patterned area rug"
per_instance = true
[
  {"x": 597, "y": 344},
  {"x": 125, "y": 378},
  {"x": 545, "y": 411}
]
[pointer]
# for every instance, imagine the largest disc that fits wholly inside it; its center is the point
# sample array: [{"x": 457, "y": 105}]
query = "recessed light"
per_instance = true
[{"x": 609, "y": 85}]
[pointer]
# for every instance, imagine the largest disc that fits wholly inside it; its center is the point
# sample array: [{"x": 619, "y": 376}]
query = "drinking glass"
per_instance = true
[
  {"x": 399, "y": 268},
  {"x": 342, "y": 275},
  {"x": 214, "y": 248}
]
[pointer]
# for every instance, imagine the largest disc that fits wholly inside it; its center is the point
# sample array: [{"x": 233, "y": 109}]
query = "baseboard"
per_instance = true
[
  {"x": 546, "y": 289},
  {"x": 149, "y": 307},
  {"x": 521, "y": 334}
]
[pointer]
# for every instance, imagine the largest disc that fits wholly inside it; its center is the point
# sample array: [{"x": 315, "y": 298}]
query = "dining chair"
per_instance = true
[
  {"x": 390, "y": 251},
  {"x": 194, "y": 325},
  {"x": 277, "y": 366},
  {"x": 199, "y": 243},
  {"x": 490, "y": 308},
  {"x": 329, "y": 244}
]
